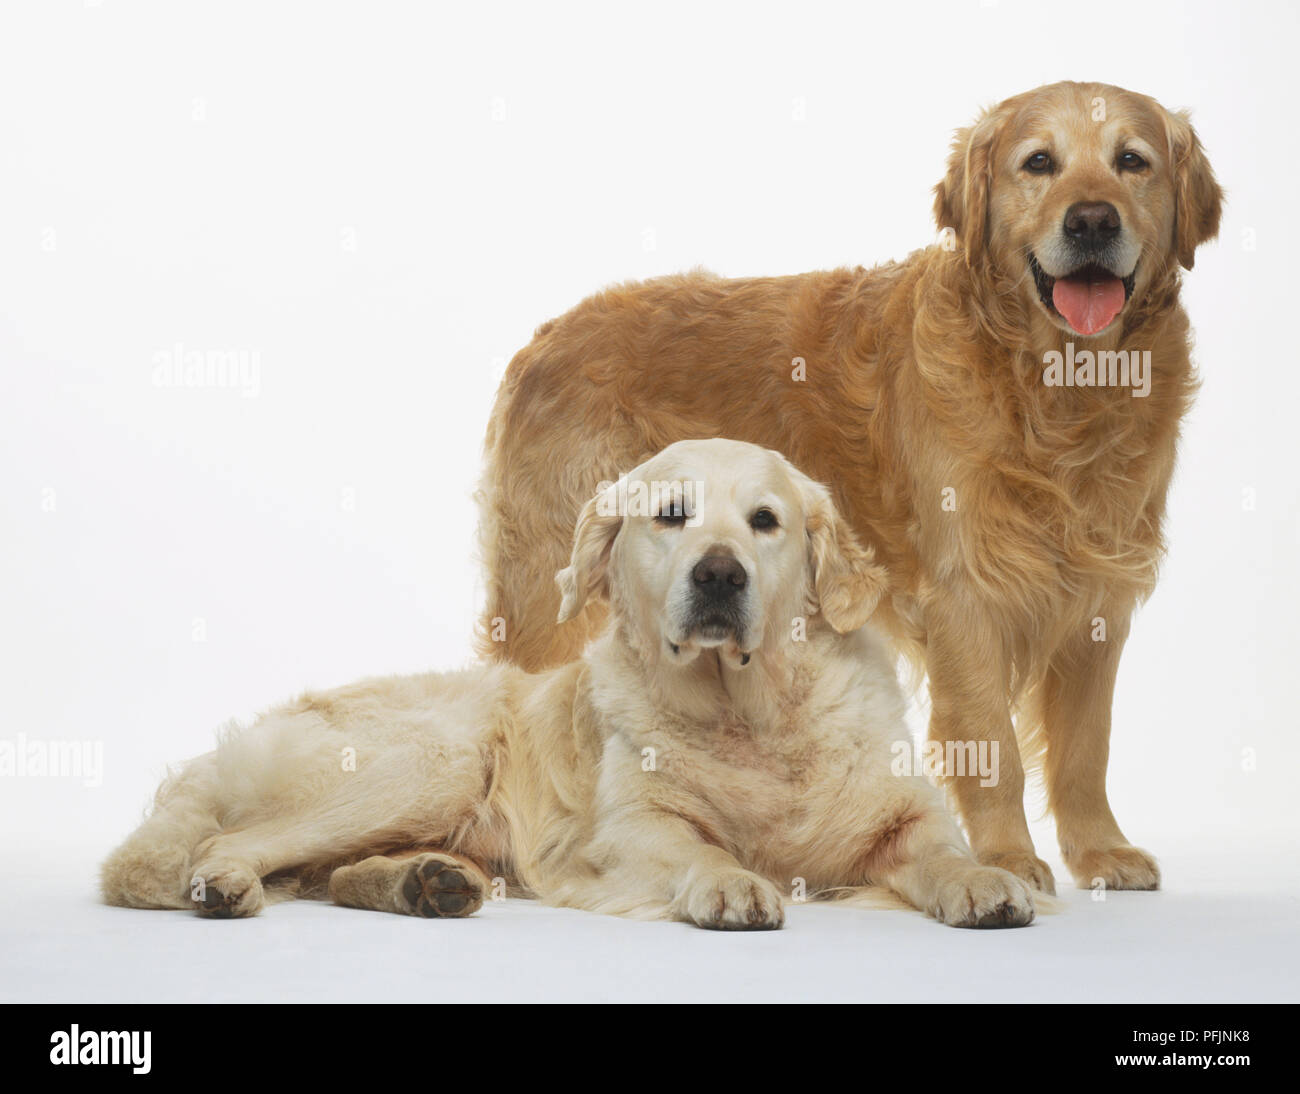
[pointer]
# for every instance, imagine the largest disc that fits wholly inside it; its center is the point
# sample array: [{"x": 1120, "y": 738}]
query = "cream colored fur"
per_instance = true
[{"x": 680, "y": 769}]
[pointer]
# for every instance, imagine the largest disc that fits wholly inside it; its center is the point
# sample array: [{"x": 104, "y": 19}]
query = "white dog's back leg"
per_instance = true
[
  {"x": 392, "y": 804},
  {"x": 431, "y": 884},
  {"x": 380, "y": 765},
  {"x": 152, "y": 868}
]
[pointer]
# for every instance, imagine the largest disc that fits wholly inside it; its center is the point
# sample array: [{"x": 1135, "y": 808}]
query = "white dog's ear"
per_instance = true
[
  {"x": 593, "y": 539},
  {"x": 846, "y": 579}
]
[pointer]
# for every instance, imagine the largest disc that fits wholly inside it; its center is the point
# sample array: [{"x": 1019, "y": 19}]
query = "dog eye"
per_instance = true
[
  {"x": 1040, "y": 163},
  {"x": 1131, "y": 161},
  {"x": 672, "y": 515},
  {"x": 764, "y": 520}
]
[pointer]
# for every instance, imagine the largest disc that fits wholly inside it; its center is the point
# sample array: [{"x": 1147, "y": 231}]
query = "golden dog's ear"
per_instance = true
[
  {"x": 961, "y": 200},
  {"x": 1198, "y": 198},
  {"x": 846, "y": 580},
  {"x": 598, "y": 526}
]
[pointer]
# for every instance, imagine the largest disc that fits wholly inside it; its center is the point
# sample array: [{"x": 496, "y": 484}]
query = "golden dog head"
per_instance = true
[
  {"x": 718, "y": 544},
  {"x": 1084, "y": 193}
]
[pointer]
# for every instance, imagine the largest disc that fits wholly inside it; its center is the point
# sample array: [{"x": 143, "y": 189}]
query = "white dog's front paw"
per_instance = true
[
  {"x": 983, "y": 896},
  {"x": 732, "y": 900}
]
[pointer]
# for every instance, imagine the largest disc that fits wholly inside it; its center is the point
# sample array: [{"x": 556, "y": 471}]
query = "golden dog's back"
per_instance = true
[{"x": 789, "y": 363}]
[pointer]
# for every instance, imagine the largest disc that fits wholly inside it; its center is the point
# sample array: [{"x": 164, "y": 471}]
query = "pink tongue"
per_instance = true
[{"x": 1088, "y": 306}]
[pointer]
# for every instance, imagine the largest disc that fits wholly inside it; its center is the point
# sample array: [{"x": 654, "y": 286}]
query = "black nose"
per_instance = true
[
  {"x": 719, "y": 576},
  {"x": 1092, "y": 223}
]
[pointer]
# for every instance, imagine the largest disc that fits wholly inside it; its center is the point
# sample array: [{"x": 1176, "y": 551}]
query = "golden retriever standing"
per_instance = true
[
  {"x": 728, "y": 740},
  {"x": 997, "y": 415}
]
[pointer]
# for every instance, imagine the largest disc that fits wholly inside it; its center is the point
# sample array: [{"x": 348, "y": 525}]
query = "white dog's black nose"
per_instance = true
[
  {"x": 718, "y": 576},
  {"x": 1092, "y": 224}
]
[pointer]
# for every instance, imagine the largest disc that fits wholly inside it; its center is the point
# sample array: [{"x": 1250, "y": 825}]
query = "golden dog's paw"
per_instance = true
[
  {"x": 226, "y": 892},
  {"x": 984, "y": 896},
  {"x": 733, "y": 900},
  {"x": 440, "y": 887},
  {"x": 1025, "y": 865},
  {"x": 1123, "y": 867}
]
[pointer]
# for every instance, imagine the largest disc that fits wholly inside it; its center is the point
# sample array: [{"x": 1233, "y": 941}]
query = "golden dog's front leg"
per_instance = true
[
  {"x": 1076, "y": 698},
  {"x": 970, "y": 718}
]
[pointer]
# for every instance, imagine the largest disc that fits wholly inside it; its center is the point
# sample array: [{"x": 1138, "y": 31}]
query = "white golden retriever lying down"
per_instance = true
[{"x": 729, "y": 734}]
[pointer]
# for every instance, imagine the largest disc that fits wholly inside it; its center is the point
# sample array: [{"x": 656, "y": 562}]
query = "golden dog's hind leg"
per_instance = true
[
  {"x": 523, "y": 549},
  {"x": 430, "y": 884},
  {"x": 1075, "y": 700},
  {"x": 524, "y": 542}
]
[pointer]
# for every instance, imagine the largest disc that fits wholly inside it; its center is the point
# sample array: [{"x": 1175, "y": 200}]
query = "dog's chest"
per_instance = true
[
  {"x": 766, "y": 791},
  {"x": 1077, "y": 524},
  {"x": 732, "y": 745}
]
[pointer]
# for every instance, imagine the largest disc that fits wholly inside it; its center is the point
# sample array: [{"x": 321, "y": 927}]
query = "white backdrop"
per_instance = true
[{"x": 376, "y": 204}]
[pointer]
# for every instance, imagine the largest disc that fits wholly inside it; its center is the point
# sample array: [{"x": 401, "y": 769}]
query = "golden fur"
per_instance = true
[
  {"x": 1010, "y": 515},
  {"x": 682, "y": 768}
]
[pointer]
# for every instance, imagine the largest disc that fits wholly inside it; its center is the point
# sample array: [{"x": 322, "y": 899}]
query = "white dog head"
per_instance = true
[{"x": 718, "y": 544}]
